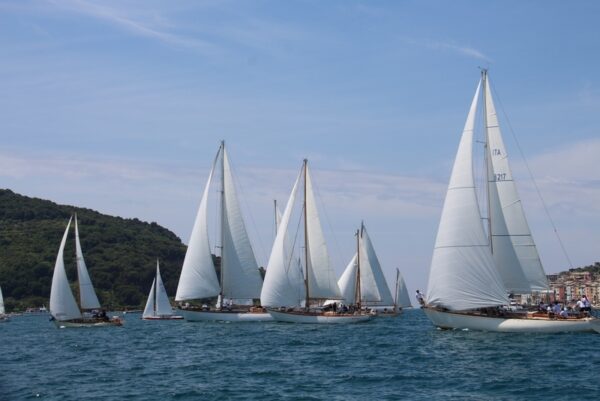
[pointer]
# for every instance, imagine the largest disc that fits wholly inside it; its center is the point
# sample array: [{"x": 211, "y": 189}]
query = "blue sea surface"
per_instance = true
[{"x": 402, "y": 358}]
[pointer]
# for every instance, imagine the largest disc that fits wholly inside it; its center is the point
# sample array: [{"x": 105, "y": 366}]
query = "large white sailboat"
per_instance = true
[
  {"x": 240, "y": 278},
  {"x": 473, "y": 271},
  {"x": 299, "y": 277},
  {"x": 64, "y": 309},
  {"x": 374, "y": 291},
  {"x": 158, "y": 306}
]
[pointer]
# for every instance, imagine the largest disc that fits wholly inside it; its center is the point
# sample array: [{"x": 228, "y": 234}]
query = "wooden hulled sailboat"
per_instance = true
[
  {"x": 472, "y": 272},
  {"x": 63, "y": 307},
  {"x": 240, "y": 278},
  {"x": 364, "y": 273},
  {"x": 299, "y": 281},
  {"x": 158, "y": 306}
]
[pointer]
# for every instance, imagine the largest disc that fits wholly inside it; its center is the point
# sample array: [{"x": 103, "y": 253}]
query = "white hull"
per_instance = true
[
  {"x": 295, "y": 317},
  {"x": 224, "y": 316},
  {"x": 71, "y": 324},
  {"x": 450, "y": 320},
  {"x": 170, "y": 317}
]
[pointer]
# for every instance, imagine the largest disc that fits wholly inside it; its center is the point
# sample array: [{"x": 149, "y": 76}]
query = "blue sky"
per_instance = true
[{"x": 119, "y": 106}]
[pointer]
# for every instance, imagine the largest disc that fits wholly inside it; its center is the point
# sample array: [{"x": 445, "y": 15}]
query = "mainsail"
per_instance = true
[
  {"x": 87, "y": 295},
  {"x": 402, "y": 297},
  {"x": 62, "y": 302}
]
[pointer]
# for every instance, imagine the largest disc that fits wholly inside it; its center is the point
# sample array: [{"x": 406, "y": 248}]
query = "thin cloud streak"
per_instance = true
[{"x": 449, "y": 46}]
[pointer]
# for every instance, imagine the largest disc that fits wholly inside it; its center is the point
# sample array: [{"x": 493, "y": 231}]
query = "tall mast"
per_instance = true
[
  {"x": 155, "y": 285},
  {"x": 357, "y": 292},
  {"x": 222, "y": 214},
  {"x": 397, "y": 288},
  {"x": 488, "y": 167},
  {"x": 77, "y": 257},
  {"x": 306, "y": 262}
]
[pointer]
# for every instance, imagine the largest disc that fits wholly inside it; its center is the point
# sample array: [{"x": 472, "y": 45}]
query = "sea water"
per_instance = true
[{"x": 402, "y": 358}]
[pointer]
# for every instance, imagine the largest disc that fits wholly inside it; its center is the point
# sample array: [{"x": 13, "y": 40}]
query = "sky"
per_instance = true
[{"x": 120, "y": 106}]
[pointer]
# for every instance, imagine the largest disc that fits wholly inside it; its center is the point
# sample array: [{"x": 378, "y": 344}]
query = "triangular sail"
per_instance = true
[
  {"x": 87, "y": 295},
  {"x": 402, "y": 297},
  {"x": 347, "y": 281},
  {"x": 462, "y": 274},
  {"x": 517, "y": 233},
  {"x": 198, "y": 277},
  {"x": 241, "y": 277},
  {"x": 2, "y": 310},
  {"x": 163, "y": 306},
  {"x": 283, "y": 285},
  {"x": 322, "y": 281},
  {"x": 149, "y": 309},
  {"x": 62, "y": 302},
  {"x": 373, "y": 287}
]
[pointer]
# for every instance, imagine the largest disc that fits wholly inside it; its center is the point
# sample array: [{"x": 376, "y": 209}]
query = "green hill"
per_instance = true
[{"x": 120, "y": 253}]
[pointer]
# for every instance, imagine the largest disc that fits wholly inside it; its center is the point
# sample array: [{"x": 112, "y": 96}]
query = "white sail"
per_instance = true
[
  {"x": 462, "y": 274},
  {"x": 198, "y": 278},
  {"x": 163, "y": 306},
  {"x": 402, "y": 297},
  {"x": 149, "y": 309},
  {"x": 241, "y": 277},
  {"x": 87, "y": 295},
  {"x": 2, "y": 310},
  {"x": 373, "y": 287},
  {"x": 283, "y": 285},
  {"x": 62, "y": 302},
  {"x": 347, "y": 281},
  {"x": 322, "y": 280},
  {"x": 513, "y": 230}
]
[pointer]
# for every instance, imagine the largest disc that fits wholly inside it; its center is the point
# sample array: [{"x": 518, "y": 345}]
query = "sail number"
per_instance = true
[
  {"x": 496, "y": 152},
  {"x": 500, "y": 176}
]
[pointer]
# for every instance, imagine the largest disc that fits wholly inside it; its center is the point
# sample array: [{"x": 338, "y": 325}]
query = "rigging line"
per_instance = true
[
  {"x": 239, "y": 185},
  {"x": 537, "y": 189},
  {"x": 291, "y": 255}
]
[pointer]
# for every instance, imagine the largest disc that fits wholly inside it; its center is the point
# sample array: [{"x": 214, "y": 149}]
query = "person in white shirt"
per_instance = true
[
  {"x": 420, "y": 298},
  {"x": 564, "y": 313}
]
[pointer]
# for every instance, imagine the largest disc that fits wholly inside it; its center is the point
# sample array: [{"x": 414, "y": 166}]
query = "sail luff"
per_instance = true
[
  {"x": 87, "y": 296},
  {"x": 198, "y": 277},
  {"x": 512, "y": 230},
  {"x": 463, "y": 275},
  {"x": 62, "y": 302}
]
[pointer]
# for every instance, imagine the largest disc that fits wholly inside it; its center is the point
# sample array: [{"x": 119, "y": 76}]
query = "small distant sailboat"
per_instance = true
[
  {"x": 374, "y": 291},
  {"x": 402, "y": 299},
  {"x": 240, "y": 277},
  {"x": 472, "y": 272},
  {"x": 294, "y": 292},
  {"x": 63, "y": 307},
  {"x": 3, "y": 315},
  {"x": 158, "y": 306}
]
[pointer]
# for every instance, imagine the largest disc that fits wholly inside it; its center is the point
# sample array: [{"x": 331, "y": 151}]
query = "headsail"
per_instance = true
[
  {"x": 347, "y": 281},
  {"x": 373, "y": 287},
  {"x": 241, "y": 277},
  {"x": 510, "y": 211},
  {"x": 402, "y": 297},
  {"x": 62, "y": 302},
  {"x": 149, "y": 309},
  {"x": 163, "y": 306},
  {"x": 87, "y": 295},
  {"x": 198, "y": 278},
  {"x": 463, "y": 274}
]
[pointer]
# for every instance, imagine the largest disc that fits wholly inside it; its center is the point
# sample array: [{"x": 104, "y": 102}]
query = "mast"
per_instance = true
[
  {"x": 155, "y": 295},
  {"x": 397, "y": 288},
  {"x": 488, "y": 166},
  {"x": 222, "y": 216},
  {"x": 275, "y": 212},
  {"x": 357, "y": 293},
  {"x": 305, "y": 235}
]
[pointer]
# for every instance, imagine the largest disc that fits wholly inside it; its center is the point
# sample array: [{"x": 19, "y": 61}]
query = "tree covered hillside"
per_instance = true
[{"x": 120, "y": 253}]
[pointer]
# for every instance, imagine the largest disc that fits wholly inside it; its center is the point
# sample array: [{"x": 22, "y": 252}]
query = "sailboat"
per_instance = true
[
  {"x": 240, "y": 277},
  {"x": 3, "y": 315},
  {"x": 374, "y": 291},
  {"x": 158, "y": 306},
  {"x": 63, "y": 307},
  {"x": 402, "y": 299},
  {"x": 292, "y": 291},
  {"x": 473, "y": 271}
]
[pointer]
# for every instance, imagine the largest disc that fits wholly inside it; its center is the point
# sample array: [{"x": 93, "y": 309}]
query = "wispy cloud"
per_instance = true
[
  {"x": 463, "y": 50},
  {"x": 153, "y": 28}
]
